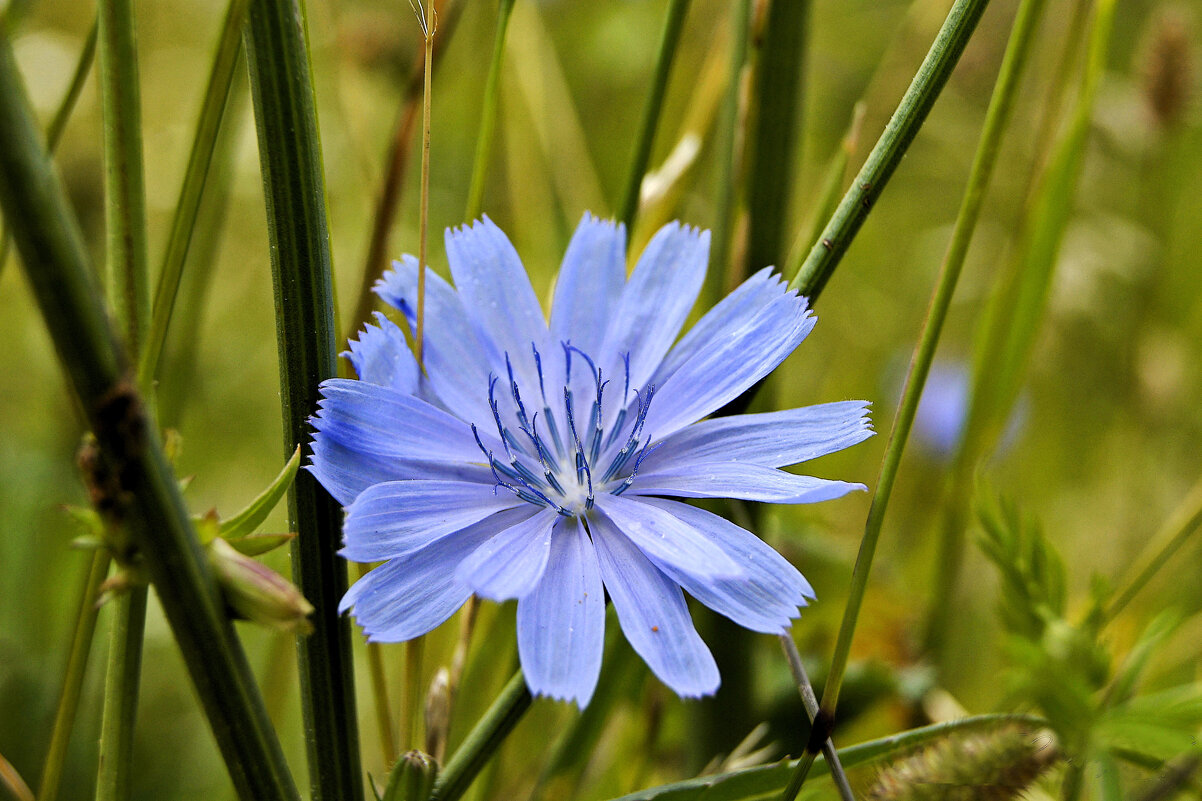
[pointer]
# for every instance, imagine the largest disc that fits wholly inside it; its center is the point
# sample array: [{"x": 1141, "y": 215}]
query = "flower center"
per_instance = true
[{"x": 554, "y": 461}]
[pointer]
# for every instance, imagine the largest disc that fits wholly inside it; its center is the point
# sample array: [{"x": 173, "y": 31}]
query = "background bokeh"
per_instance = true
[{"x": 1105, "y": 443}]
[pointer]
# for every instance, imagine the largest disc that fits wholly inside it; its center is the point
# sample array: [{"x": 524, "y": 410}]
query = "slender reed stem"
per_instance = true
[
  {"x": 911, "y": 112},
  {"x": 411, "y": 701},
  {"x": 77, "y": 662},
  {"x": 388, "y": 200},
  {"x": 429, "y": 27},
  {"x": 996, "y": 120},
  {"x": 121, "y": 695},
  {"x": 673, "y": 25},
  {"x": 293, "y": 183},
  {"x": 484, "y": 740},
  {"x": 810, "y": 701},
  {"x": 379, "y": 692},
  {"x": 1183, "y": 523},
  {"x": 124, "y": 185},
  {"x": 467, "y": 626},
  {"x": 1010, "y": 325},
  {"x": 56, "y": 265},
  {"x": 128, "y": 282},
  {"x": 488, "y": 115},
  {"x": 728, "y": 139},
  {"x": 187, "y": 208}
]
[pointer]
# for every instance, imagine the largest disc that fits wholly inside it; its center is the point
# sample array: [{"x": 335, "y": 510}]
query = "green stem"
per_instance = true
[
  {"x": 810, "y": 702},
  {"x": 187, "y": 208},
  {"x": 996, "y": 120},
  {"x": 389, "y": 198},
  {"x": 488, "y": 116},
  {"x": 727, "y": 140},
  {"x": 121, "y": 695},
  {"x": 1176, "y": 531},
  {"x": 124, "y": 186},
  {"x": 484, "y": 740},
  {"x": 673, "y": 25},
  {"x": 411, "y": 704},
  {"x": 1011, "y": 323},
  {"x": 54, "y": 131},
  {"x": 77, "y": 662},
  {"x": 780, "y": 91},
  {"x": 887, "y": 154},
  {"x": 290, "y": 163},
  {"x": 128, "y": 279},
  {"x": 56, "y": 265}
]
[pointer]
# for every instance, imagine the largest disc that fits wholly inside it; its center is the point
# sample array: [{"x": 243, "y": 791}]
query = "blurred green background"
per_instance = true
[{"x": 1107, "y": 442}]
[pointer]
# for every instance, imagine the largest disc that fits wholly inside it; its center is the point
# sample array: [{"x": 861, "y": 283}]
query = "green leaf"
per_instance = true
[
  {"x": 1159, "y": 725},
  {"x": 256, "y": 544},
  {"x": 767, "y": 782},
  {"x": 250, "y": 518}
]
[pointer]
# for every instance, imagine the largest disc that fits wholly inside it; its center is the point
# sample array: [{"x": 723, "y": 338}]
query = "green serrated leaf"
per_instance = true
[
  {"x": 256, "y": 544},
  {"x": 250, "y": 518},
  {"x": 768, "y": 781}
]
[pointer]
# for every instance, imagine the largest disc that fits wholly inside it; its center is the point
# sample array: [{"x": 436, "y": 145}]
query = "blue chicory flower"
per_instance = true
[{"x": 538, "y": 461}]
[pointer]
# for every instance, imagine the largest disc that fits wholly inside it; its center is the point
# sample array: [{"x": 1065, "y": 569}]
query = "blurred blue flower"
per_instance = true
[
  {"x": 944, "y": 406},
  {"x": 536, "y": 461}
]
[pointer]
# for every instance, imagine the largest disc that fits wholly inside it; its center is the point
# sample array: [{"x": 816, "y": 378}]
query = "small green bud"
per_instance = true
[
  {"x": 412, "y": 777},
  {"x": 256, "y": 592}
]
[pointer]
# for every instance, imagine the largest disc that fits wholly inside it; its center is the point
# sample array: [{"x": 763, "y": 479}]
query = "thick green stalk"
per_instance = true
[
  {"x": 484, "y": 740},
  {"x": 488, "y": 116},
  {"x": 673, "y": 25},
  {"x": 726, "y": 141},
  {"x": 911, "y": 112},
  {"x": 187, "y": 208},
  {"x": 780, "y": 91},
  {"x": 56, "y": 264},
  {"x": 996, "y": 120},
  {"x": 293, "y": 184},
  {"x": 124, "y": 185},
  {"x": 121, "y": 695},
  {"x": 77, "y": 662}
]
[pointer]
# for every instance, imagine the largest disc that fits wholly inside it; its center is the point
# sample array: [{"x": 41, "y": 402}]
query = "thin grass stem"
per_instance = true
[
  {"x": 810, "y": 701},
  {"x": 997, "y": 119},
  {"x": 121, "y": 694},
  {"x": 429, "y": 28},
  {"x": 124, "y": 183},
  {"x": 77, "y": 662},
  {"x": 488, "y": 115},
  {"x": 1182, "y": 525},
  {"x": 911, "y": 112},
  {"x": 1010, "y": 325},
  {"x": 728, "y": 140},
  {"x": 187, "y": 208},
  {"x": 645, "y": 138}
]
